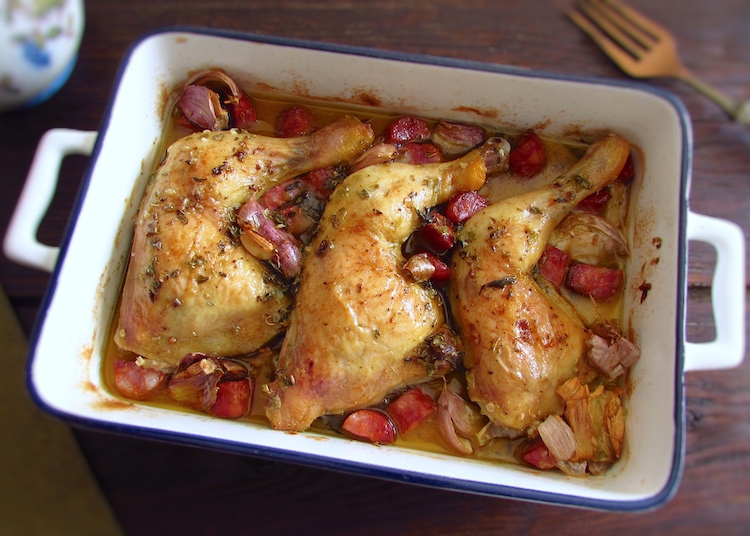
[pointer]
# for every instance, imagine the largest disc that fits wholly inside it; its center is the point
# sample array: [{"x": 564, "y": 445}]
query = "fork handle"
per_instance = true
[{"x": 739, "y": 111}]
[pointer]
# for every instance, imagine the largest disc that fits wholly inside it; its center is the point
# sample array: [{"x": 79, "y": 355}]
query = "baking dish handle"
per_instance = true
[
  {"x": 727, "y": 295},
  {"x": 21, "y": 244}
]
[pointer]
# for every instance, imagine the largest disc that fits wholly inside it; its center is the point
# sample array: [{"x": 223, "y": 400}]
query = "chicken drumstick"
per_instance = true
[{"x": 520, "y": 343}]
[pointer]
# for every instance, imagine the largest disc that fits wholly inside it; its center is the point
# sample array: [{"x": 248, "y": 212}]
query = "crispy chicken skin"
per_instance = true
[
  {"x": 190, "y": 285},
  {"x": 521, "y": 343},
  {"x": 359, "y": 319}
]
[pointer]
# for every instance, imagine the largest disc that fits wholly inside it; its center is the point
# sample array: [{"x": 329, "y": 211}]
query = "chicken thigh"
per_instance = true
[
  {"x": 521, "y": 342},
  {"x": 361, "y": 326},
  {"x": 190, "y": 285}
]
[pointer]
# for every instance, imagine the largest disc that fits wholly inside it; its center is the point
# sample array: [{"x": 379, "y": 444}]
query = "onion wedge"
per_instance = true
[{"x": 558, "y": 437}]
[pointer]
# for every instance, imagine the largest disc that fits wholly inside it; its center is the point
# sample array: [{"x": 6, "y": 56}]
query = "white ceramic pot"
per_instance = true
[
  {"x": 73, "y": 329},
  {"x": 39, "y": 43}
]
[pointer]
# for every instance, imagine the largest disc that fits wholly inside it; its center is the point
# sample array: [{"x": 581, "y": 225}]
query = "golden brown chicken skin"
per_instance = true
[
  {"x": 520, "y": 340},
  {"x": 190, "y": 285},
  {"x": 360, "y": 319}
]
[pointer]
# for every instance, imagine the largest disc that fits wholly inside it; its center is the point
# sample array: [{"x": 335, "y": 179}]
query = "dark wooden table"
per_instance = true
[{"x": 159, "y": 488}]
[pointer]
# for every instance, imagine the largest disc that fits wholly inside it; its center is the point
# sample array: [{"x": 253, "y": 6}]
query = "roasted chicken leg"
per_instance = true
[
  {"x": 190, "y": 285},
  {"x": 360, "y": 322},
  {"x": 520, "y": 340}
]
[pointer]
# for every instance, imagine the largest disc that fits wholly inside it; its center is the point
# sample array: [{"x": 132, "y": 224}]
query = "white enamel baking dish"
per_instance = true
[{"x": 74, "y": 324}]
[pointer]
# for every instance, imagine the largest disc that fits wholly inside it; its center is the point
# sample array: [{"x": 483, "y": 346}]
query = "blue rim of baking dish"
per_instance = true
[{"x": 357, "y": 468}]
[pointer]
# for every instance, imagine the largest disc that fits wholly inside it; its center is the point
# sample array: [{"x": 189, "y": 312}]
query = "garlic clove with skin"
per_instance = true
[
  {"x": 212, "y": 100},
  {"x": 202, "y": 107}
]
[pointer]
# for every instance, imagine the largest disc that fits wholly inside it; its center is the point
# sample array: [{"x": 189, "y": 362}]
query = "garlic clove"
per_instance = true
[{"x": 202, "y": 107}]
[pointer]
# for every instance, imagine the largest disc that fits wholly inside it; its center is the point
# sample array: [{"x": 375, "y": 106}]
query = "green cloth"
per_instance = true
[{"x": 46, "y": 485}]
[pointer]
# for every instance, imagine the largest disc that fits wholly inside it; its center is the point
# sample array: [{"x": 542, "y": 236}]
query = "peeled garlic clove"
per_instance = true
[
  {"x": 257, "y": 246},
  {"x": 420, "y": 267}
]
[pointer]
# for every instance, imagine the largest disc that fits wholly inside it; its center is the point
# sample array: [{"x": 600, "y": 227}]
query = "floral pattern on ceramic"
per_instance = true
[{"x": 39, "y": 42}]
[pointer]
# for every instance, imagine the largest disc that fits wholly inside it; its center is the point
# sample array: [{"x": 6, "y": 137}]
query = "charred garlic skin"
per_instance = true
[
  {"x": 520, "y": 342},
  {"x": 191, "y": 286}
]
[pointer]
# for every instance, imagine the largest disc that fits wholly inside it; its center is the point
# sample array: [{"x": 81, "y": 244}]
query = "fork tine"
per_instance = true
[
  {"x": 637, "y": 26},
  {"x": 619, "y": 30},
  {"x": 610, "y": 47},
  {"x": 646, "y": 25}
]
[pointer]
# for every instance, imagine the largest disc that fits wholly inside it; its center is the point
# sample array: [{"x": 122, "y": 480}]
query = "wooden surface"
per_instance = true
[{"x": 162, "y": 488}]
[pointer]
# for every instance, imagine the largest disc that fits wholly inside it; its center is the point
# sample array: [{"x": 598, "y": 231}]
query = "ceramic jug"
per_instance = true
[{"x": 39, "y": 42}]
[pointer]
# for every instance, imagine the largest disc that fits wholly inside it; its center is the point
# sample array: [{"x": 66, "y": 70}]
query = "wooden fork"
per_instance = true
[{"x": 644, "y": 49}]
